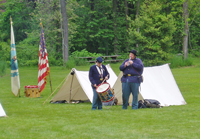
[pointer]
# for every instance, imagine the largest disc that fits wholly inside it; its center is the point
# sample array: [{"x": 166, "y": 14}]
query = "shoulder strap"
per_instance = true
[{"x": 136, "y": 71}]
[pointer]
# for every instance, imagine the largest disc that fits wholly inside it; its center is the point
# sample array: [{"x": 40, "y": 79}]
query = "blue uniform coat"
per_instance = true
[
  {"x": 137, "y": 65},
  {"x": 94, "y": 75}
]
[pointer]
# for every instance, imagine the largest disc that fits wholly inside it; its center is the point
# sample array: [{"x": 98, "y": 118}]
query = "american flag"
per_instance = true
[{"x": 43, "y": 63}]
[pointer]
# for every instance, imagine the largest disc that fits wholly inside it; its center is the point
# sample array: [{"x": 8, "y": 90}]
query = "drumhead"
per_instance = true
[{"x": 102, "y": 87}]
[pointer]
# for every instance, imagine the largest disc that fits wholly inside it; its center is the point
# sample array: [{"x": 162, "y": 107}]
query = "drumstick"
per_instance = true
[
  {"x": 94, "y": 86},
  {"x": 102, "y": 82},
  {"x": 104, "y": 79}
]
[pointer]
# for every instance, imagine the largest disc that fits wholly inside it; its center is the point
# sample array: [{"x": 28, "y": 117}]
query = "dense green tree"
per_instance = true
[
  {"x": 194, "y": 27},
  {"x": 95, "y": 26},
  {"x": 50, "y": 16},
  {"x": 175, "y": 7},
  {"x": 100, "y": 26},
  {"x": 103, "y": 26},
  {"x": 20, "y": 13},
  {"x": 156, "y": 33}
]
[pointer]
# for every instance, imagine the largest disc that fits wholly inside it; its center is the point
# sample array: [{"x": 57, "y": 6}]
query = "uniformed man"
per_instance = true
[
  {"x": 97, "y": 74},
  {"x": 132, "y": 69}
]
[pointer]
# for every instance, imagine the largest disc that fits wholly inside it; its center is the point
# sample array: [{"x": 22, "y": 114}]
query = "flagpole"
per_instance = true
[
  {"x": 19, "y": 93},
  {"x": 49, "y": 72},
  {"x": 50, "y": 82}
]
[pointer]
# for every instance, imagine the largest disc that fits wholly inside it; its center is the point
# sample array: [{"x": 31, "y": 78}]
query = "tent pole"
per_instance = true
[
  {"x": 71, "y": 88},
  {"x": 55, "y": 90}
]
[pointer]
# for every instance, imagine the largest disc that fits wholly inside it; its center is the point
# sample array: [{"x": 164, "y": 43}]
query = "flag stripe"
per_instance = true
[{"x": 43, "y": 63}]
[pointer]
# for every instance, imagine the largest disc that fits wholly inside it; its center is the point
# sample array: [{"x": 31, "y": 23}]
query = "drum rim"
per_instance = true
[
  {"x": 31, "y": 86},
  {"x": 105, "y": 90},
  {"x": 110, "y": 99}
]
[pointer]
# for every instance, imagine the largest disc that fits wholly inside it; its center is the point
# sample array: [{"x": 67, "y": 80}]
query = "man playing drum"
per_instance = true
[
  {"x": 97, "y": 74},
  {"x": 132, "y": 69}
]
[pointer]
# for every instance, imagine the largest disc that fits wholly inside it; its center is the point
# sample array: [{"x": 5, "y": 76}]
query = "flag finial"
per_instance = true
[{"x": 41, "y": 22}]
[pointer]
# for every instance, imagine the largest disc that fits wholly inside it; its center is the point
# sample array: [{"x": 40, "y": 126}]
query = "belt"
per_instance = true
[{"x": 130, "y": 75}]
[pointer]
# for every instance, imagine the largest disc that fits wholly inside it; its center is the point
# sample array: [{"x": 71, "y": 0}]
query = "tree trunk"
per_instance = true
[
  {"x": 127, "y": 26},
  {"x": 106, "y": 41},
  {"x": 185, "y": 37},
  {"x": 137, "y": 15},
  {"x": 92, "y": 5},
  {"x": 115, "y": 24},
  {"x": 65, "y": 27}
]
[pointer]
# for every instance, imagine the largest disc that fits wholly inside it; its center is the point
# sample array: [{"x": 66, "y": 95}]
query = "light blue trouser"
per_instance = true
[
  {"x": 96, "y": 101},
  {"x": 127, "y": 89}
]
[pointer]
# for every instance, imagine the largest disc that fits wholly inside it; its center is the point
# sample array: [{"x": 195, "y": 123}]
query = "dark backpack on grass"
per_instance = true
[{"x": 148, "y": 103}]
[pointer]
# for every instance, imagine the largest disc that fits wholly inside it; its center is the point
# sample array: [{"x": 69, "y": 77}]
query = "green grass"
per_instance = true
[{"x": 28, "y": 118}]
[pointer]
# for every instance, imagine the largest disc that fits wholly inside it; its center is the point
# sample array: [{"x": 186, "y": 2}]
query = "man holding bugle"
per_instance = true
[{"x": 132, "y": 69}]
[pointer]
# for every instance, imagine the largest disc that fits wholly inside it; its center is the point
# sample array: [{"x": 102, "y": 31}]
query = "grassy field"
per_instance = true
[{"x": 28, "y": 118}]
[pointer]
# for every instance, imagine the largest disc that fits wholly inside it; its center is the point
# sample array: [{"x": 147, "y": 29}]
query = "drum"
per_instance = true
[
  {"x": 32, "y": 91},
  {"x": 105, "y": 93}
]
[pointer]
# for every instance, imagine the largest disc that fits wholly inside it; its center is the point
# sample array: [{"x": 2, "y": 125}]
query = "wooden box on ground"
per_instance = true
[{"x": 32, "y": 91}]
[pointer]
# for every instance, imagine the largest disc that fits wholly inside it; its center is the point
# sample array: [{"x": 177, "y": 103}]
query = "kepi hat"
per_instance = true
[{"x": 99, "y": 60}]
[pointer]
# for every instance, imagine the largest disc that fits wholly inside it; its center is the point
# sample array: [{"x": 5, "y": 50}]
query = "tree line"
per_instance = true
[{"x": 158, "y": 29}]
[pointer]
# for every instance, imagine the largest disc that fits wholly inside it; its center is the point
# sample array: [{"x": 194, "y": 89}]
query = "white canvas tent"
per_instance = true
[
  {"x": 159, "y": 84},
  {"x": 78, "y": 86},
  {"x": 2, "y": 112}
]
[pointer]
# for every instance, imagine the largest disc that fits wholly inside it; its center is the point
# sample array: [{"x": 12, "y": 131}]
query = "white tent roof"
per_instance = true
[
  {"x": 159, "y": 84},
  {"x": 2, "y": 112},
  {"x": 80, "y": 86}
]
